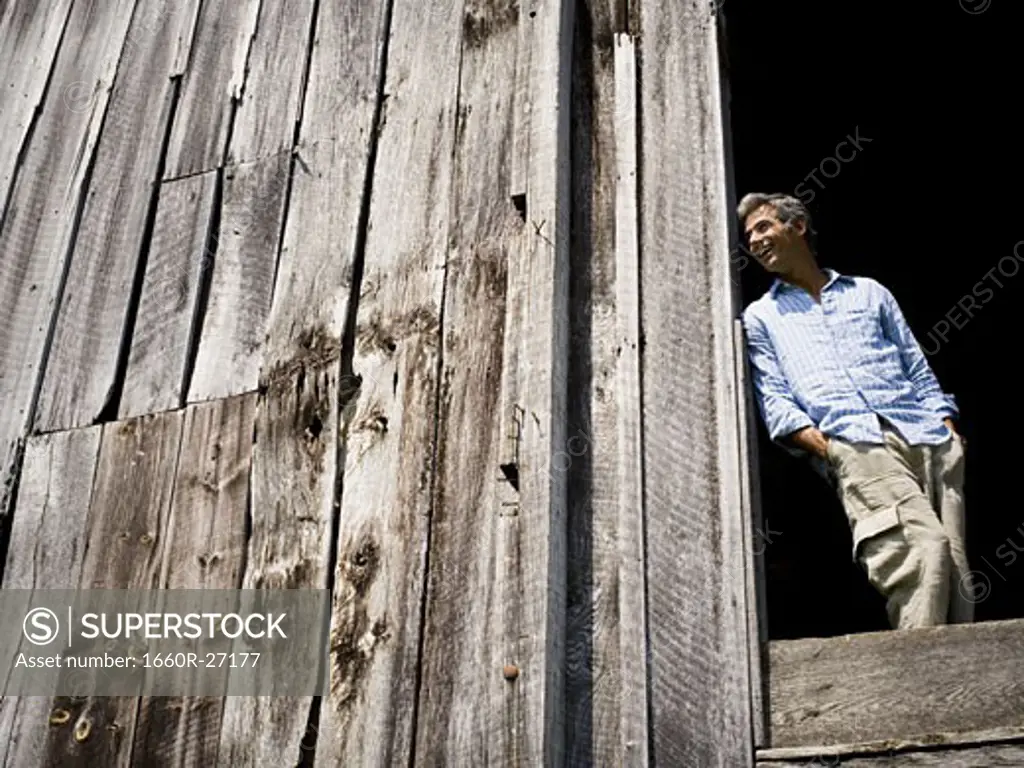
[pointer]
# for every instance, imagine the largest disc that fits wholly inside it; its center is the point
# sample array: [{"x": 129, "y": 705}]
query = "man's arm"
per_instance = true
[
  {"x": 915, "y": 365},
  {"x": 786, "y": 421}
]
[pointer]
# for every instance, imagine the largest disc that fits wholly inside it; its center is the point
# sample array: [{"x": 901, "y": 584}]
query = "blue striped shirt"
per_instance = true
[{"x": 841, "y": 365}]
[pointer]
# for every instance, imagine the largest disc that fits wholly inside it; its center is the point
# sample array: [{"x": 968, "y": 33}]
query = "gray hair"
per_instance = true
[{"x": 787, "y": 207}]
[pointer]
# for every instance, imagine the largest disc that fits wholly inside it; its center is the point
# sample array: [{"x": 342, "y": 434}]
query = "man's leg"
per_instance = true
[
  {"x": 897, "y": 537},
  {"x": 948, "y": 465},
  {"x": 940, "y": 471}
]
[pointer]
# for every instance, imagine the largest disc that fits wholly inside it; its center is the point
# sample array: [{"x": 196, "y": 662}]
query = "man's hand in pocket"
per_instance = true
[{"x": 812, "y": 440}]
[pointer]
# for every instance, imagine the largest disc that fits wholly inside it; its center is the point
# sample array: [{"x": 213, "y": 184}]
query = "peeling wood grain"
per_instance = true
[
  {"x": 46, "y": 551},
  {"x": 293, "y": 475},
  {"x": 30, "y": 34},
  {"x": 178, "y": 258},
  {"x": 83, "y": 359},
  {"x": 234, "y": 325},
  {"x": 213, "y": 81},
  {"x": 912, "y": 683},
  {"x": 204, "y": 549},
  {"x": 39, "y": 226},
  {"x": 700, "y": 687},
  {"x": 127, "y": 523},
  {"x": 462, "y": 692},
  {"x": 265, "y": 121},
  {"x": 368, "y": 717}
]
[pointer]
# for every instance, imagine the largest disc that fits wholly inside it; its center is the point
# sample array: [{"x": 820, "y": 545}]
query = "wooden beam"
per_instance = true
[
  {"x": 46, "y": 551},
  {"x": 892, "y": 685},
  {"x": 698, "y": 623},
  {"x": 204, "y": 549},
  {"x": 40, "y": 222}
]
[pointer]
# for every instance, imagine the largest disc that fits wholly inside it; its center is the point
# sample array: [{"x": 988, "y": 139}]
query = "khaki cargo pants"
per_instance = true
[{"x": 905, "y": 505}]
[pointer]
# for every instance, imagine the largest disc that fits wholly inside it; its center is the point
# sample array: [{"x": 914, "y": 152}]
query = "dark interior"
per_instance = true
[{"x": 928, "y": 206}]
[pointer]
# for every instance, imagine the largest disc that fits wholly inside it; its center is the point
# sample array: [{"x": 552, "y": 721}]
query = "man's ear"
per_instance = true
[{"x": 800, "y": 226}]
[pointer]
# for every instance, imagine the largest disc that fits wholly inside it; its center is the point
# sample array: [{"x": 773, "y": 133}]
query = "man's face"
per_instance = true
[{"x": 773, "y": 243}]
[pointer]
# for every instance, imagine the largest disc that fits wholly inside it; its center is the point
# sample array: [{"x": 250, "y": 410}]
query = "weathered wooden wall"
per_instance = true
[
  {"x": 283, "y": 288},
  {"x": 426, "y": 302}
]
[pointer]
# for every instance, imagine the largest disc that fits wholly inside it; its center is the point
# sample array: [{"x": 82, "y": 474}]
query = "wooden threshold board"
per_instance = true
[{"x": 921, "y": 686}]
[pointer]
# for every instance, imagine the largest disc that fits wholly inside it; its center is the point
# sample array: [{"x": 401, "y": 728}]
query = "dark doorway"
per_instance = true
[{"x": 924, "y": 197}]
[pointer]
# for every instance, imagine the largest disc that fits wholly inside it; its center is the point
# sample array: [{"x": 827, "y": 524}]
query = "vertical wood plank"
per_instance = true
[
  {"x": 701, "y": 706},
  {"x": 757, "y": 540},
  {"x": 234, "y": 324},
  {"x": 521, "y": 107},
  {"x": 30, "y": 34},
  {"x": 160, "y": 345},
  {"x": 368, "y": 717},
  {"x": 543, "y": 290},
  {"x": 632, "y": 588},
  {"x": 461, "y": 717},
  {"x": 344, "y": 73},
  {"x": 40, "y": 221},
  {"x": 46, "y": 551},
  {"x": 204, "y": 549},
  {"x": 265, "y": 121},
  {"x": 127, "y": 522},
  {"x": 212, "y": 83},
  {"x": 83, "y": 359},
  {"x": 293, "y": 475},
  {"x": 606, "y": 689},
  {"x": 315, "y": 271}
]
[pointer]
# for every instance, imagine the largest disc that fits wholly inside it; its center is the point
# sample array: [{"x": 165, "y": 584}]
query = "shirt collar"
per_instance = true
[{"x": 782, "y": 285}]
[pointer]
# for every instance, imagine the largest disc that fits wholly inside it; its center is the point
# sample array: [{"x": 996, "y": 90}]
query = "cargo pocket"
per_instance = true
[
  {"x": 874, "y": 505},
  {"x": 876, "y": 523}
]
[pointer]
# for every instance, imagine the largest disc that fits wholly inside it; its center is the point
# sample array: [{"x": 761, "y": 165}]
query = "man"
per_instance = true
[{"x": 840, "y": 378}]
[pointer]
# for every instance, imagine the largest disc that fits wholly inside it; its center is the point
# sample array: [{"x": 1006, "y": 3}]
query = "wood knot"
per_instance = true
[
  {"x": 146, "y": 539},
  {"x": 82, "y": 730},
  {"x": 511, "y": 671},
  {"x": 59, "y": 717}
]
